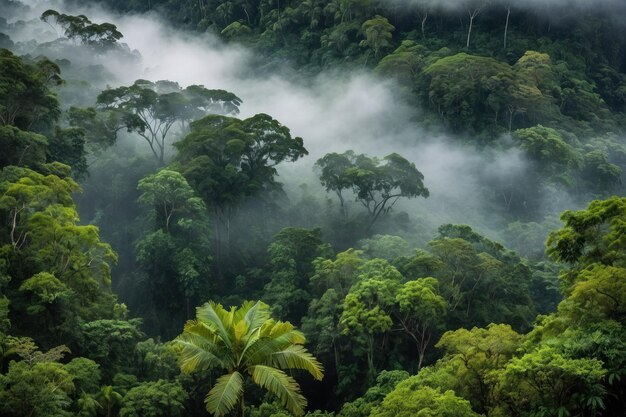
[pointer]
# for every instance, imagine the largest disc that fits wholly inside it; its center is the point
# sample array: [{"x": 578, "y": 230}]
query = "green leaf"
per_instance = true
[
  {"x": 225, "y": 394},
  {"x": 280, "y": 384},
  {"x": 297, "y": 357}
]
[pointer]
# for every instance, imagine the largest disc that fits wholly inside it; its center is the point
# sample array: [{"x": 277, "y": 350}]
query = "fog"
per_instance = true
[
  {"x": 332, "y": 112},
  {"x": 518, "y": 4}
]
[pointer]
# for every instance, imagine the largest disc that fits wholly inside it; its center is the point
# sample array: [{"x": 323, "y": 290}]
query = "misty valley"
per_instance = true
[{"x": 320, "y": 208}]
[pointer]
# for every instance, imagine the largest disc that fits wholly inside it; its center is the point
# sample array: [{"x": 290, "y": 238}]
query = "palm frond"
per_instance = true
[
  {"x": 201, "y": 329},
  {"x": 286, "y": 330},
  {"x": 297, "y": 357},
  {"x": 208, "y": 314},
  {"x": 225, "y": 394},
  {"x": 195, "y": 353},
  {"x": 258, "y": 352},
  {"x": 258, "y": 314},
  {"x": 280, "y": 384},
  {"x": 241, "y": 312},
  {"x": 240, "y": 330}
]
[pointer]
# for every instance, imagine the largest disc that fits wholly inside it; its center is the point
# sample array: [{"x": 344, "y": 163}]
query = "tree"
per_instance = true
[
  {"x": 553, "y": 157},
  {"x": 245, "y": 341},
  {"x": 26, "y": 100},
  {"x": 102, "y": 36},
  {"x": 473, "y": 11},
  {"x": 377, "y": 184},
  {"x": 472, "y": 357},
  {"x": 227, "y": 159},
  {"x": 467, "y": 89},
  {"x": 154, "y": 399},
  {"x": 42, "y": 234},
  {"x": 19, "y": 148},
  {"x": 406, "y": 401},
  {"x": 174, "y": 253},
  {"x": 291, "y": 254},
  {"x": 151, "y": 109},
  {"x": 420, "y": 311},
  {"x": 549, "y": 382},
  {"x": 377, "y": 32},
  {"x": 384, "y": 246},
  {"x": 386, "y": 382},
  {"x": 368, "y": 306},
  {"x": 170, "y": 197},
  {"x": 592, "y": 235},
  {"x": 38, "y": 385}
]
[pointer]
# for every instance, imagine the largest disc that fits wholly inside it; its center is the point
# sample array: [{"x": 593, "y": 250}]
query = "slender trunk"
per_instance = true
[
  {"x": 469, "y": 31},
  {"x": 370, "y": 359},
  {"x": 506, "y": 26},
  {"x": 424, "y": 25}
]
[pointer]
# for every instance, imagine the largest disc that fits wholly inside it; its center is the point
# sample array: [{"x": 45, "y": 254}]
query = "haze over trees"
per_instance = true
[{"x": 163, "y": 254}]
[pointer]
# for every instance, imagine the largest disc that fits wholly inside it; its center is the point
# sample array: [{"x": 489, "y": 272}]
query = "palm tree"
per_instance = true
[{"x": 245, "y": 342}]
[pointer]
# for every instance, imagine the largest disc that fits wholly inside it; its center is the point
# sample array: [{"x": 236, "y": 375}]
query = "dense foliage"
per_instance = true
[{"x": 365, "y": 307}]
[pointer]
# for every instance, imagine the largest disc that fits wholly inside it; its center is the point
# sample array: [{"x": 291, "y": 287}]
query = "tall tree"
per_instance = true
[
  {"x": 377, "y": 184},
  {"x": 26, "y": 100},
  {"x": 227, "y": 159},
  {"x": 151, "y": 109}
]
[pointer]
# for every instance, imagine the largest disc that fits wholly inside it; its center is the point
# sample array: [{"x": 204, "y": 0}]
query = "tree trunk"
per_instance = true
[
  {"x": 506, "y": 26},
  {"x": 469, "y": 30}
]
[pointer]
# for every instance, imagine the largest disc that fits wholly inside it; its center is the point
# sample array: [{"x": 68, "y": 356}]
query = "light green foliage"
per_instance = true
[
  {"x": 408, "y": 401},
  {"x": 368, "y": 306},
  {"x": 547, "y": 380},
  {"x": 85, "y": 375},
  {"x": 170, "y": 198},
  {"x": 595, "y": 234},
  {"x": 536, "y": 88},
  {"x": 62, "y": 265},
  {"x": 599, "y": 293},
  {"x": 338, "y": 274},
  {"x": 87, "y": 405},
  {"x": 377, "y": 32},
  {"x": 38, "y": 390},
  {"x": 420, "y": 264},
  {"x": 109, "y": 399},
  {"x": 245, "y": 342},
  {"x": 386, "y": 381},
  {"x": 555, "y": 158},
  {"x": 421, "y": 311},
  {"x": 47, "y": 290},
  {"x": 154, "y": 399},
  {"x": 405, "y": 63},
  {"x": 472, "y": 359}
]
